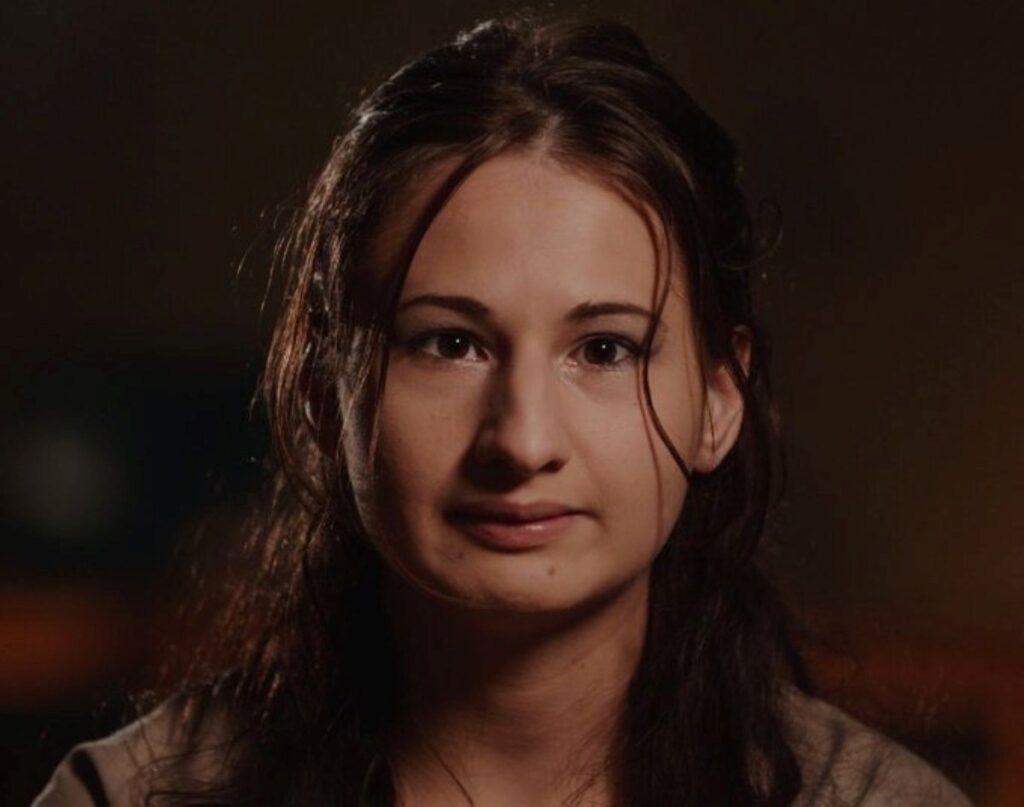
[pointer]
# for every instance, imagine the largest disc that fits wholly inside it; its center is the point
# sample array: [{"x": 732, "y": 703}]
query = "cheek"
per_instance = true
[
  {"x": 421, "y": 441},
  {"x": 642, "y": 489},
  {"x": 651, "y": 485}
]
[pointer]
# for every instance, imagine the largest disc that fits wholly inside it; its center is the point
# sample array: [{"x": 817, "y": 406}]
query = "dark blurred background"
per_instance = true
[{"x": 148, "y": 149}]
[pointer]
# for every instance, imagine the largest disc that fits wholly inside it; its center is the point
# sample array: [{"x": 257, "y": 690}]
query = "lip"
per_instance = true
[
  {"x": 513, "y": 512},
  {"x": 510, "y": 526},
  {"x": 509, "y": 536}
]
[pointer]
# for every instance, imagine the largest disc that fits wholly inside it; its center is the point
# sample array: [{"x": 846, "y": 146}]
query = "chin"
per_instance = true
[{"x": 523, "y": 584}]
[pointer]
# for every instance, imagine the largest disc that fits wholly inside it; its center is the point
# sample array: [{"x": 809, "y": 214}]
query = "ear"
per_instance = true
[{"x": 723, "y": 410}]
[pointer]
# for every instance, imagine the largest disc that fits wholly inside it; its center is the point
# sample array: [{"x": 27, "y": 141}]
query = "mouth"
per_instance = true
[{"x": 515, "y": 528}]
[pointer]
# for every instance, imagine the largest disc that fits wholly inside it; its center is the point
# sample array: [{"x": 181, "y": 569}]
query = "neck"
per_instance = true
[{"x": 506, "y": 708}]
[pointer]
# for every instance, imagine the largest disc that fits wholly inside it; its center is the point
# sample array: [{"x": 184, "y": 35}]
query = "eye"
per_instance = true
[
  {"x": 603, "y": 352},
  {"x": 446, "y": 345},
  {"x": 609, "y": 352}
]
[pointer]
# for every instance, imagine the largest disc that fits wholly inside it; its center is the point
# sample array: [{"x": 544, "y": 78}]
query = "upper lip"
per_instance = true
[{"x": 512, "y": 512}]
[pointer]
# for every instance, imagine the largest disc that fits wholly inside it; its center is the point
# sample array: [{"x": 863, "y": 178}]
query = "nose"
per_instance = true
[{"x": 523, "y": 426}]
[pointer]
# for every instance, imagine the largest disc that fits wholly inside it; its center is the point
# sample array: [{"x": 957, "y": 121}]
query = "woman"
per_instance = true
[{"x": 527, "y": 448}]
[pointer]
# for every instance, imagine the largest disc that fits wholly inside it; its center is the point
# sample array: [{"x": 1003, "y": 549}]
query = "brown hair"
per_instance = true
[{"x": 310, "y": 676}]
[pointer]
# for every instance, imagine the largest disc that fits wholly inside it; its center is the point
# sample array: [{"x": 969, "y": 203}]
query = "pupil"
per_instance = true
[
  {"x": 446, "y": 341},
  {"x": 601, "y": 356}
]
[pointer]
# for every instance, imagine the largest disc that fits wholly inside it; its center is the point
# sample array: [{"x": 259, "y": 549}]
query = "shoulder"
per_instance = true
[
  {"x": 846, "y": 763},
  {"x": 118, "y": 770}
]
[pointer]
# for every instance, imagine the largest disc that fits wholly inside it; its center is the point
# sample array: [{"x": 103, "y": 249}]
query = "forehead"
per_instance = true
[{"x": 524, "y": 219}]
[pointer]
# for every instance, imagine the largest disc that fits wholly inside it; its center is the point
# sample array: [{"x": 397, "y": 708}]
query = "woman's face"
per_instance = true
[{"x": 514, "y": 379}]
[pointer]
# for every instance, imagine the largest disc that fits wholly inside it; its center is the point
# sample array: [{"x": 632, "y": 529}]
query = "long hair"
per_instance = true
[{"x": 300, "y": 660}]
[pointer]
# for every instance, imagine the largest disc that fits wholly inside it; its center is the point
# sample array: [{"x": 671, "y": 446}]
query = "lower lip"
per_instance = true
[{"x": 528, "y": 535}]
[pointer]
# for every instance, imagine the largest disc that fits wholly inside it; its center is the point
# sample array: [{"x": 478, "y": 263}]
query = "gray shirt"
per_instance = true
[{"x": 843, "y": 763}]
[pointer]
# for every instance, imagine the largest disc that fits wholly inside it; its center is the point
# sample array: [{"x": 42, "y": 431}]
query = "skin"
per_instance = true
[{"x": 516, "y": 664}]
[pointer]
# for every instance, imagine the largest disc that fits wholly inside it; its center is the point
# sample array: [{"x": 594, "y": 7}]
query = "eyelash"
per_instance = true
[{"x": 633, "y": 351}]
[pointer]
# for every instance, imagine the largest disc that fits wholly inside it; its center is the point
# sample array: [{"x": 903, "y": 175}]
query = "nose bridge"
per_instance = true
[{"x": 525, "y": 418}]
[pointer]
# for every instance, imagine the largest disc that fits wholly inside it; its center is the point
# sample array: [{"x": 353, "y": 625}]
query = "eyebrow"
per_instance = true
[{"x": 477, "y": 310}]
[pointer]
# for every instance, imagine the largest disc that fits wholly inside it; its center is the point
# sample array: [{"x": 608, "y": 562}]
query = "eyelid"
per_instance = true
[
  {"x": 415, "y": 343},
  {"x": 633, "y": 351}
]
